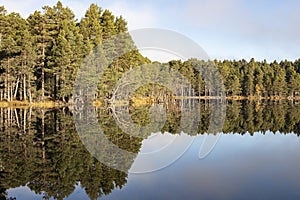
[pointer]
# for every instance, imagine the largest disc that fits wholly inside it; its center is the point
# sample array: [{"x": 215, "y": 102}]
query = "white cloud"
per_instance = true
[
  {"x": 25, "y": 8},
  {"x": 142, "y": 16},
  {"x": 263, "y": 29},
  {"x": 210, "y": 12},
  {"x": 78, "y": 7},
  {"x": 137, "y": 16}
]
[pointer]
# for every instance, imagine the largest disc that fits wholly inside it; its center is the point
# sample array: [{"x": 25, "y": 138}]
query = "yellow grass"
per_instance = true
[
  {"x": 142, "y": 101},
  {"x": 24, "y": 104},
  {"x": 236, "y": 98},
  {"x": 97, "y": 103}
]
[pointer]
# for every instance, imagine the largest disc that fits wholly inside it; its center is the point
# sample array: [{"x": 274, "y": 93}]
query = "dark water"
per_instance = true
[{"x": 44, "y": 154}]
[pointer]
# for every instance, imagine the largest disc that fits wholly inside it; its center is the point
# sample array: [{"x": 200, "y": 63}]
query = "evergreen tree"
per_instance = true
[
  {"x": 279, "y": 83},
  {"x": 108, "y": 25},
  {"x": 42, "y": 41},
  {"x": 258, "y": 81},
  {"x": 90, "y": 27},
  {"x": 248, "y": 69}
]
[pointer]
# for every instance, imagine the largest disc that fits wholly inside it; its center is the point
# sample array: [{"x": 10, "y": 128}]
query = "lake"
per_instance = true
[{"x": 188, "y": 149}]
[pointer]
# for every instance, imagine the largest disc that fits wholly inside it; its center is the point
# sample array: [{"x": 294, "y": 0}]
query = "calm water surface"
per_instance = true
[{"x": 257, "y": 156}]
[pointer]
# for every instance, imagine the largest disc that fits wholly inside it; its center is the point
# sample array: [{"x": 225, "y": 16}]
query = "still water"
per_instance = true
[{"x": 256, "y": 156}]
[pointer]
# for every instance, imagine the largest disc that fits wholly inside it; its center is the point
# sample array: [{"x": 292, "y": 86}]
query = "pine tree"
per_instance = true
[
  {"x": 42, "y": 41},
  {"x": 108, "y": 25},
  {"x": 12, "y": 42},
  {"x": 258, "y": 81},
  {"x": 248, "y": 69},
  {"x": 59, "y": 18},
  {"x": 279, "y": 83},
  {"x": 90, "y": 27},
  {"x": 293, "y": 80},
  {"x": 28, "y": 63}
]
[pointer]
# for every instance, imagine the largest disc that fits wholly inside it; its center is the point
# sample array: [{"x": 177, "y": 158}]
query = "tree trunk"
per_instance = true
[
  {"x": 24, "y": 88},
  {"x": 43, "y": 73},
  {"x": 16, "y": 89},
  {"x": 29, "y": 88},
  {"x": 7, "y": 81},
  {"x": 43, "y": 136},
  {"x": 24, "y": 121},
  {"x": 11, "y": 91}
]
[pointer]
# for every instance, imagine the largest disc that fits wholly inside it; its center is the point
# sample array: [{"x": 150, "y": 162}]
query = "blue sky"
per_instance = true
[{"x": 231, "y": 29}]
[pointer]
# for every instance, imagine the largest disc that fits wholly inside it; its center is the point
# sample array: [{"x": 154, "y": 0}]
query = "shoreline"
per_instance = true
[
  {"x": 139, "y": 101},
  {"x": 27, "y": 104}
]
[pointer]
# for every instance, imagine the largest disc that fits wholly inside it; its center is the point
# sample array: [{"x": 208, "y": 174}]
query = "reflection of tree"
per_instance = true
[
  {"x": 254, "y": 116},
  {"x": 47, "y": 155},
  {"x": 2, "y": 192},
  {"x": 241, "y": 116},
  {"x": 42, "y": 150}
]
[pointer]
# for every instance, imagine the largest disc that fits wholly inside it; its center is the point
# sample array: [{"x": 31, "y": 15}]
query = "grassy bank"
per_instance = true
[
  {"x": 136, "y": 101},
  {"x": 25, "y": 104},
  {"x": 146, "y": 101}
]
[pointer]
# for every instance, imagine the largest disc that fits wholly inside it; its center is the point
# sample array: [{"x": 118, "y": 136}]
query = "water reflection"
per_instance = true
[
  {"x": 240, "y": 167},
  {"x": 160, "y": 151},
  {"x": 41, "y": 151},
  {"x": 45, "y": 153}
]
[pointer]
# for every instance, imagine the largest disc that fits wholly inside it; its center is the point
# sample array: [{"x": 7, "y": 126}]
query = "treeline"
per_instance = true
[
  {"x": 40, "y": 55},
  {"x": 242, "y": 78},
  {"x": 264, "y": 79},
  {"x": 251, "y": 79}
]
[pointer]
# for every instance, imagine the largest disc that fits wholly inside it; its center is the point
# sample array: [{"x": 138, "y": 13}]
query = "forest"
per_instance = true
[{"x": 40, "y": 57}]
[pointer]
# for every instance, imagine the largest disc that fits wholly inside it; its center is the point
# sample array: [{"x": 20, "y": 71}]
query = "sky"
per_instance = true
[{"x": 231, "y": 29}]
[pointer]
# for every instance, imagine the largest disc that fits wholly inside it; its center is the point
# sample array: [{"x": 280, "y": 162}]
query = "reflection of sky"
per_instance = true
[
  {"x": 160, "y": 151},
  {"x": 24, "y": 193},
  {"x": 239, "y": 167}
]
